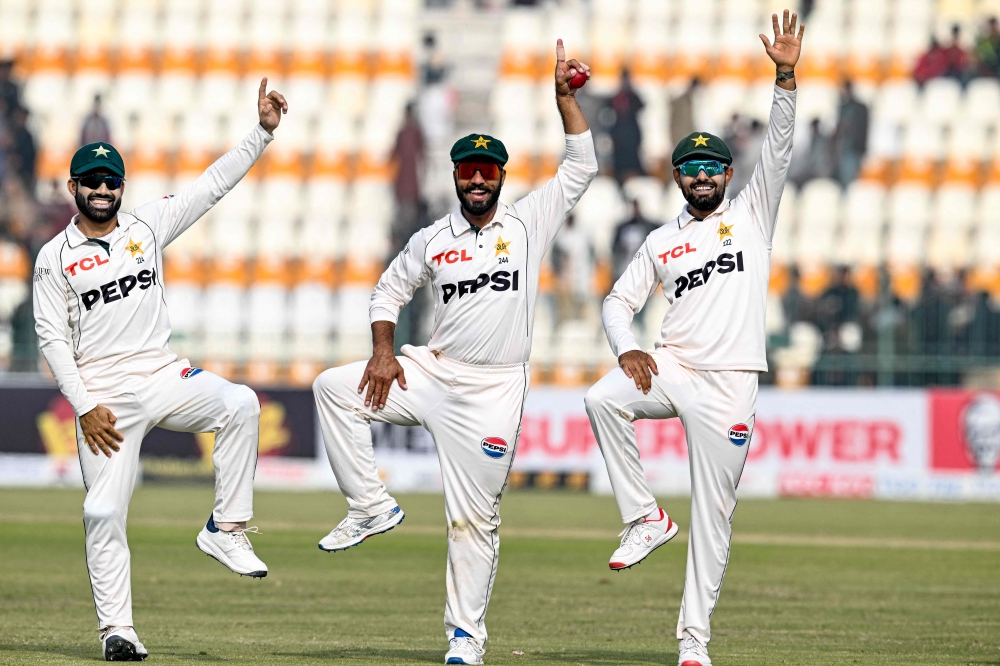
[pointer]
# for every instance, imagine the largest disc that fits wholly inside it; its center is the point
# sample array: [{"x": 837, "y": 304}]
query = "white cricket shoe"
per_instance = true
[
  {"x": 464, "y": 650},
  {"x": 232, "y": 549},
  {"x": 640, "y": 539},
  {"x": 121, "y": 644},
  {"x": 352, "y": 531},
  {"x": 692, "y": 653}
]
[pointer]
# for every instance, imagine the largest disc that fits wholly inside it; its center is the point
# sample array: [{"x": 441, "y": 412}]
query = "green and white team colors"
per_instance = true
[
  {"x": 468, "y": 385},
  {"x": 103, "y": 329},
  {"x": 714, "y": 273}
]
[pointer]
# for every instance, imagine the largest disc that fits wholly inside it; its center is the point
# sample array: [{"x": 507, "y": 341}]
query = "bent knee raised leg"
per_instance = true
[
  {"x": 241, "y": 402},
  {"x": 336, "y": 382},
  {"x": 602, "y": 396}
]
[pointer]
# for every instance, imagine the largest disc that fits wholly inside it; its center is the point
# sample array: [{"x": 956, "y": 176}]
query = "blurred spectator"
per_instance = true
[
  {"x": 817, "y": 161},
  {"x": 24, "y": 349},
  {"x": 408, "y": 157},
  {"x": 988, "y": 49},
  {"x": 629, "y": 237},
  {"x": 851, "y": 135},
  {"x": 23, "y": 148},
  {"x": 950, "y": 61},
  {"x": 745, "y": 140},
  {"x": 95, "y": 126},
  {"x": 806, "y": 7},
  {"x": 573, "y": 263},
  {"x": 625, "y": 132},
  {"x": 10, "y": 93},
  {"x": 682, "y": 112},
  {"x": 838, "y": 305}
]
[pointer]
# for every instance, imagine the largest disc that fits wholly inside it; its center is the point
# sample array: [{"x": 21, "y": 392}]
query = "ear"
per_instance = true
[
  {"x": 729, "y": 175},
  {"x": 71, "y": 186},
  {"x": 503, "y": 176},
  {"x": 677, "y": 177}
]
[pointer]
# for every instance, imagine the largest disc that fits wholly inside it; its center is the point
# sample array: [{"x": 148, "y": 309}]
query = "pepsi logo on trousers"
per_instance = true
[
  {"x": 494, "y": 447},
  {"x": 189, "y": 372},
  {"x": 739, "y": 434}
]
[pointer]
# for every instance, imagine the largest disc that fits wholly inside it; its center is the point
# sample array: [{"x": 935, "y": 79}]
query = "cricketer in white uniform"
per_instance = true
[
  {"x": 468, "y": 385},
  {"x": 103, "y": 329},
  {"x": 712, "y": 261}
]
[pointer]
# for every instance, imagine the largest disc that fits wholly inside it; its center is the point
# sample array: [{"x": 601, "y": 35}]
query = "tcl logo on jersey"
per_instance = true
[
  {"x": 502, "y": 281},
  {"x": 699, "y": 276},
  {"x": 189, "y": 372},
  {"x": 118, "y": 289},
  {"x": 451, "y": 257},
  {"x": 494, "y": 447},
  {"x": 86, "y": 264},
  {"x": 677, "y": 252},
  {"x": 739, "y": 434}
]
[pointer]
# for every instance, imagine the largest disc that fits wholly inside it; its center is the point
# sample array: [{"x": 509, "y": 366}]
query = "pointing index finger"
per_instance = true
[
  {"x": 263, "y": 89},
  {"x": 560, "y": 51}
]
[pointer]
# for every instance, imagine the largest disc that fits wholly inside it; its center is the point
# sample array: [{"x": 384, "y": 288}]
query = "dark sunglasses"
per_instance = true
[
  {"x": 467, "y": 170},
  {"x": 710, "y": 167},
  {"x": 94, "y": 180}
]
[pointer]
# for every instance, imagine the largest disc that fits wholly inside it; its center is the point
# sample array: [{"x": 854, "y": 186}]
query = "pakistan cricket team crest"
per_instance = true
[{"x": 494, "y": 447}]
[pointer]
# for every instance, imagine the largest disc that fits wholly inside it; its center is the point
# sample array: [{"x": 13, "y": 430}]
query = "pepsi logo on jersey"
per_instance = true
[
  {"x": 502, "y": 281},
  {"x": 739, "y": 434},
  {"x": 189, "y": 372},
  {"x": 494, "y": 447},
  {"x": 118, "y": 289},
  {"x": 699, "y": 276}
]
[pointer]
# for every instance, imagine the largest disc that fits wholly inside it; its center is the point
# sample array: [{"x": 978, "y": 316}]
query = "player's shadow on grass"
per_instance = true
[
  {"x": 87, "y": 653},
  {"x": 397, "y": 656}
]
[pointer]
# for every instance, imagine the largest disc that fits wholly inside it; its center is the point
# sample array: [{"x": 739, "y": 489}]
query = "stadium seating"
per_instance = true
[{"x": 275, "y": 281}]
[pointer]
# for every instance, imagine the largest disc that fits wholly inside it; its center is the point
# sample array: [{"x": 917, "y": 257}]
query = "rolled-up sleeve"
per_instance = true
[{"x": 407, "y": 272}]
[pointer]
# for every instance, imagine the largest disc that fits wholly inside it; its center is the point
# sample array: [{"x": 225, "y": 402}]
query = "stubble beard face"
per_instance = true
[
  {"x": 477, "y": 208},
  {"x": 706, "y": 201},
  {"x": 93, "y": 214}
]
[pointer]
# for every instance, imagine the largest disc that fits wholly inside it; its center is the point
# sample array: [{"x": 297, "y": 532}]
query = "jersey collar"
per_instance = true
[
  {"x": 685, "y": 217},
  {"x": 75, "y": 237},
  {"x": 459, "y": 225}
]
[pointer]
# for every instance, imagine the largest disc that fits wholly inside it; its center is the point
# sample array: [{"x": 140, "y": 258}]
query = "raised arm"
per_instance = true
[
  {"x": 627, "y": 297},
  {"x": 763, "y": 193},
  {"x": 171, "y": 216}
]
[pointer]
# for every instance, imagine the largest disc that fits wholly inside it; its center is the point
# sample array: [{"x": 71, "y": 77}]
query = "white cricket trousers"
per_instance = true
[
  {"x": 473, "y": 412},
  {"x": 709, "y": 404},
  {"x": 201, "y": 402}
]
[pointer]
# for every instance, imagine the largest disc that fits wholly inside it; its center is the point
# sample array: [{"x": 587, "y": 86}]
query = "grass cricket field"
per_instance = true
[{"x": 809, "y": 582}]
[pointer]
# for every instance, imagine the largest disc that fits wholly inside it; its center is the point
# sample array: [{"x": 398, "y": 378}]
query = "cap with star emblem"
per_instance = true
[
  {"x": 702, "y": 146},
  {"x": 95, "y": 156},
  {"x": 482, "y": 146}
]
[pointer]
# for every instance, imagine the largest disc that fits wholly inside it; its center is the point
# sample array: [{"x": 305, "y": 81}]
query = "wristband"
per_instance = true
[{"x": 785, "y": 76}]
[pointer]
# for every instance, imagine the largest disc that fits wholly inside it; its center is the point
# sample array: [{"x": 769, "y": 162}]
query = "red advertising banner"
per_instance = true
[{"x": 965, "y": 430}]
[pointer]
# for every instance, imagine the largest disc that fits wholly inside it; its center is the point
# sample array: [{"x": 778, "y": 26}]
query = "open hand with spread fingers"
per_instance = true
[
  {"x": 566, "y": 70},
  {"x": 270, "y": 106},
  {"x": 787, "y": 45}
]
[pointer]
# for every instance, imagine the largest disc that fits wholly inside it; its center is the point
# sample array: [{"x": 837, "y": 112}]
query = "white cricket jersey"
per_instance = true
[
  {"x": 100, "y": 313},
  {"x": 714, "y": 271},
  {"x": 486, "y": 282}
]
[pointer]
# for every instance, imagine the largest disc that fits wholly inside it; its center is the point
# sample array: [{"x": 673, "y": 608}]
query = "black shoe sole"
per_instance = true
[
  {"x": 119, "y": 649},
  {"x": 338, "y": 550}
]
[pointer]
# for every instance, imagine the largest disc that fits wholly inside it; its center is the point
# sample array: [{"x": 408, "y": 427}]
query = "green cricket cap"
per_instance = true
[
  {"x": 481, "y": 146},
  {"x": 96, "y": 156},
  {"x": 702, "y": 146}
]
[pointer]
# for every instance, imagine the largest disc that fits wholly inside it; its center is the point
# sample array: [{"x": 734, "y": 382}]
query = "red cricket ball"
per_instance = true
[{"x": 578, "y": 80}]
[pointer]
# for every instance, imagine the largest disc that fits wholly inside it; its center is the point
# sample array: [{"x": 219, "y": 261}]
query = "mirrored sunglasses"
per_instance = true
[
  {"x": 467, "y": 170},
  {"x": 710, "y": 167}
]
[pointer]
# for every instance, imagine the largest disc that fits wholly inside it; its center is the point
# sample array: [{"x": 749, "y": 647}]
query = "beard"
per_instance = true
[
  {"x": 705, "y": 201},
  {"x": 477, "y": 207},
  {"x": 94, "y": 214}
]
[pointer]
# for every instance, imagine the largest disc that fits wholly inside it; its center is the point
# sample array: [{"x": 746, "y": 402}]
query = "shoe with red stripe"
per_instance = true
[
  {"x": 692, "y": 653},
  {"x": 640, "y": 539}
]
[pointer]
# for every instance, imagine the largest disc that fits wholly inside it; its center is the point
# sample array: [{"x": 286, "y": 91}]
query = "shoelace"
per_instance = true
[
  {"x": 631, "y": 532},
  {"x": 240, "y": 537},
  {"x": 691, "y": 644},
  {"x": 107, "y": 631},
  {"x": 466, "y": 640}
]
